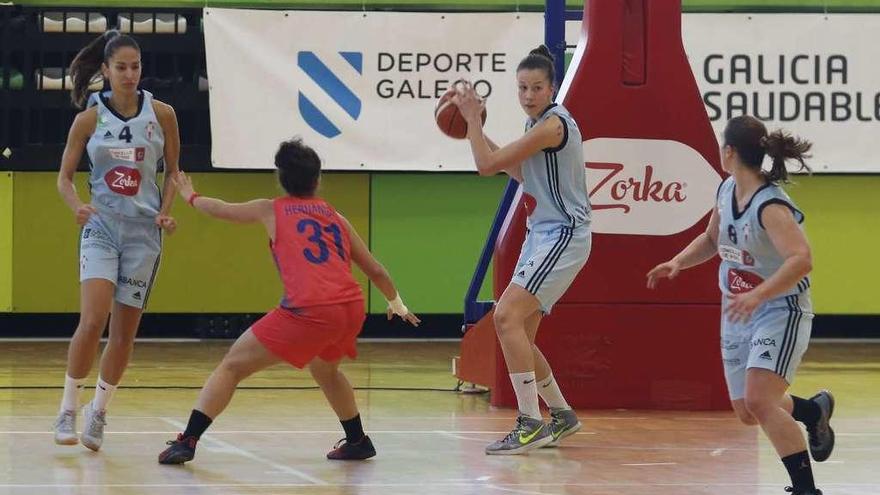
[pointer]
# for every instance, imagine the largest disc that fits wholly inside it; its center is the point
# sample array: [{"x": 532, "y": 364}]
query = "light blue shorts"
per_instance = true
[
  {"x": 775, "y": 338},
  {"x": 123, "y": 251},
  {"x": 550, "y": 261}
]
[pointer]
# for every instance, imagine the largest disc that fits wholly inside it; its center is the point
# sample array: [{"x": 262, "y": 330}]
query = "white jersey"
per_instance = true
[
  {"x": 748, "y": 257},
  {"x": 556, "y": 178},
  {"x": 125, "y": 155}
]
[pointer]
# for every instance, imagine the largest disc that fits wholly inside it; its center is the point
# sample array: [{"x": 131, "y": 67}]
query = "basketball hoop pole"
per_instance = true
[{"x": 555, "y": 17}]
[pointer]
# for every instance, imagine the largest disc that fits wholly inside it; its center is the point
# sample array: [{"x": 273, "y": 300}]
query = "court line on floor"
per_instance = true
[
  {"x": 208, "y": 438},
  {"x": 513, "y": 490}
]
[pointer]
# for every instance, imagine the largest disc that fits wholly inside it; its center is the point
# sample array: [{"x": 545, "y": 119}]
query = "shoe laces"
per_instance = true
[
  {"x": 814, "y": 431},
  {"x": 517, "y": 430},
  {"x": 97, "y": 421},
  {"x": 66, "y": 420},
  {"x": 189, "y": 441},
  {"x": 813, "y": 435}
]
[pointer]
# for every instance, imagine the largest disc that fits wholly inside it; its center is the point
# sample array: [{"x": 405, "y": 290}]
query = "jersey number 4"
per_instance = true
[
  {"x": 125, "y": 135},
  {"x": 316, "y": 238}
]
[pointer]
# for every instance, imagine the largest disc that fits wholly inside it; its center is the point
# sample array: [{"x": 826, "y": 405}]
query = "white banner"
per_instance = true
[
  {"x": 361, "y": 88},
  {"x": 358, "y": 87},
  {"x": 814, "y": 75}
]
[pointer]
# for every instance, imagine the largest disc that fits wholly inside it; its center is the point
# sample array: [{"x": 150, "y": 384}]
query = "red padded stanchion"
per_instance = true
[{"x": 653, "y": 170}]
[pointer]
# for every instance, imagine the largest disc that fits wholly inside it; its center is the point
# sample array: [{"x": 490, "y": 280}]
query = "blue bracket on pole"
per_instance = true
[
  {"x": 555, "y": 17},
  {"x": 474, "y": 310}
]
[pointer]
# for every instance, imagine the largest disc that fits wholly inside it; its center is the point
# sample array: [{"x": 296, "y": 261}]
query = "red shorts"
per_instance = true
[{"x": 300, "y": 335}]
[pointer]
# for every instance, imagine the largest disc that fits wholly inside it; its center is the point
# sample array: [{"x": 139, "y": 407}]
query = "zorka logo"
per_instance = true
[
  {"x": 741, "y": 281},
  {"x": 123, "y": 180},
  {"x": 647, "y": 186},
  {"x": 328, "y": 84},
  {"x": 642, "y": 189}
]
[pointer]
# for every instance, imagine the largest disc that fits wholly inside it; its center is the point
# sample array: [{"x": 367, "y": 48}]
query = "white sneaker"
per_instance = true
[
  {"x": 65, "y": 428},
  {"x": 93, "y": 433}
]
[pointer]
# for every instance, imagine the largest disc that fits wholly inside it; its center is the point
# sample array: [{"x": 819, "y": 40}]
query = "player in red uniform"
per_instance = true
[{"x": 321, "y": 313}]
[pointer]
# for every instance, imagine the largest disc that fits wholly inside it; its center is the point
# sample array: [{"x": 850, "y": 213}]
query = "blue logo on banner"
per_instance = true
[{"x": 333, "y": 86}]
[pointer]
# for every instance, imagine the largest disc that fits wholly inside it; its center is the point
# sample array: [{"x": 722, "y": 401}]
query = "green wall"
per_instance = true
[
  {"x": 843, "y": 226},
  {"x": 6, "y": 241},
  {"x": 207, "y": 265},
  {"x": 427, "y": 229}
]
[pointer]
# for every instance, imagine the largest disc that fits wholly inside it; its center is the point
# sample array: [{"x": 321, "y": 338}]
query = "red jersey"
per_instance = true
[{"x": 312, "y": 251}]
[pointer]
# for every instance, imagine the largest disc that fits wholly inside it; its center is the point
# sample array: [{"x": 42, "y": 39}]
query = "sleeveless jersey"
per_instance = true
[
  {"x": 555, "y": 178},
  {"x": 125, "y": 155},
  {"x": 748, "y": 256},
  {"x": 312, "y": 251}
]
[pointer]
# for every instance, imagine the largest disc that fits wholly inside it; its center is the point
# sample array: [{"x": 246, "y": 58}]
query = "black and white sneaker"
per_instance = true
[
  {"x": 181, "y": 450},
  {"x": 821, "y": 435},
  {"x": 352, "y": 451}
]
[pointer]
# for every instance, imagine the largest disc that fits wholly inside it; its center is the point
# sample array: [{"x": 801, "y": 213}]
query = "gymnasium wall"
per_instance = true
[
  {"x": 427, "y": 229},
  {"x": 5, "y": 241}
]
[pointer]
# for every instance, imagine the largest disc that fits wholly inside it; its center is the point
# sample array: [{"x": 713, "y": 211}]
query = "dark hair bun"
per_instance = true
[{"x": 542, "y": 51}]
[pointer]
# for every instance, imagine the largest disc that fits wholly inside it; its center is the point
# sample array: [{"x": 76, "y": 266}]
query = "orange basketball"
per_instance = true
[{"x": 450, "y": 121}]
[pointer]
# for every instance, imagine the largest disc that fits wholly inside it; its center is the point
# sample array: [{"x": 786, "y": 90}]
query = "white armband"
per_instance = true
[{"x": 397, "y": 306}]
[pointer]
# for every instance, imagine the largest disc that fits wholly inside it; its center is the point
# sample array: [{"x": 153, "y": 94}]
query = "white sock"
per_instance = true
[
  {"x": 548, "y": 389},
  {"x": 72, "y": 391},
  {"x": 103, "y": 394},
  {"x": 526, "y": 393}
]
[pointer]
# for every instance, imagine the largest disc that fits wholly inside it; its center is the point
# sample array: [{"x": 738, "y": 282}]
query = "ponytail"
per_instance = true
[
  {"x": 748, "y": 136},
  {"x": 782, "y": 146},
  {"x": 539, "y": 58},
  {"x": 87, "y": 63}
]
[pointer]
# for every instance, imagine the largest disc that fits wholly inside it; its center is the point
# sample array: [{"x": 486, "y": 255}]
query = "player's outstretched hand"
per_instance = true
[
  {"x": 668, "y": 270},
  {"x": 184, "y": 185},
  {"x": 407, "y": 317}
]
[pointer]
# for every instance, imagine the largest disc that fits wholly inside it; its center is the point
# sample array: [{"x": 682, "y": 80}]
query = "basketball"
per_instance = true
[{"x": 450, "y": 121}]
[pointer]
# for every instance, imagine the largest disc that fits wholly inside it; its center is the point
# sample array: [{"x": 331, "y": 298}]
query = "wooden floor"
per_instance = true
[{"x": 273, "y": 438}]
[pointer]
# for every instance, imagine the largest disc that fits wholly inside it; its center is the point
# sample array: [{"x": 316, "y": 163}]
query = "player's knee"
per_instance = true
[
  {"x": 91, "y": 326},
  {"x": 121, "y": 340},
  {"x": 758, "y": 407},
  {"x": 321, "y": 372},
  {"x": 745, "y": 417},
  {"x": 235, "y": 368},
  {"x": 504, "y": 320}
]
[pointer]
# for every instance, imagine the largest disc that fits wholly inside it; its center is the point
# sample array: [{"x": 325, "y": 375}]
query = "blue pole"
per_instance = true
[
  {"x": 473, "y": 309},
  {"x": 554, "y": 35}
]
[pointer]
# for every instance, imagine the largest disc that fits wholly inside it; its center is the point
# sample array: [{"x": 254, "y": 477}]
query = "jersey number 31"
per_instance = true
[{"x": 317, "y": 229}]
